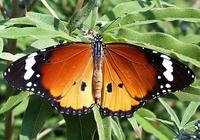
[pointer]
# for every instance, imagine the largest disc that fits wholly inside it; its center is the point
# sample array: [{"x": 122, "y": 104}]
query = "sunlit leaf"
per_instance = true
[{"x": 13, "y": 101}]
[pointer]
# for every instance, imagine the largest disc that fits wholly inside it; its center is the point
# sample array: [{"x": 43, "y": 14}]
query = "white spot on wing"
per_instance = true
[
  {"x": 5, "y": 73},
  {"x": 29, "y": 84},
  {"x": 30, "y": 61},
  {"x": 168, "y": 85},
  {"x": 8, "y": 69},
  {"x": 32, "y": 55},
  {"x": 165, "y": 56},
  {"x": 169, "y": 68},
  {"x": 193, "y": 76},
  {"x": 169, "y": 90},
  {"x": 164, "y": 91}
]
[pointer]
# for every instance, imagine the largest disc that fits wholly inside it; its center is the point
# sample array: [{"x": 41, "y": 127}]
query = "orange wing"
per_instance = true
[
  {"x": 63, "y": 74},
  {"x": 134, "y": 75},
  {"x": 116, "y": 101}
]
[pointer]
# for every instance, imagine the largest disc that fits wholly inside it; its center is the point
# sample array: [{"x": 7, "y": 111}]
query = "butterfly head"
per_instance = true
[{"x": 98, "y": 38}]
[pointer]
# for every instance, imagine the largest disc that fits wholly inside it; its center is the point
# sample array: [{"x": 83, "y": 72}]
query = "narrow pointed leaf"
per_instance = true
[
  {"x": 117, "y": 131},
  {"x": 189, "y": 112},
  {"x": 99, "y": 122},
  {"x": 80, "y": 127},
  {"x": 79, "y": 17},
  {"x": 152, "y": 127},
  {"x": 171, "y": 112},
  {"x": 37, "y": 112},
  {"x": 107, "y": 127},
  {"x": 13, "y": 101}
]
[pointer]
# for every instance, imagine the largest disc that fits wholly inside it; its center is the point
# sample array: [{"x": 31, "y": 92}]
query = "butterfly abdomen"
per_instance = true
[{"x": 97, "y": 86}]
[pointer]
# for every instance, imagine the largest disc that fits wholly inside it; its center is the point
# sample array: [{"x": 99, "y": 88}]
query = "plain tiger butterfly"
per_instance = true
[{"x": 117, "y": 77}]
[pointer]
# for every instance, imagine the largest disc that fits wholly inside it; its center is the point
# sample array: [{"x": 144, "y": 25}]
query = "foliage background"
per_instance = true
[{"x": 168, "y": 26}]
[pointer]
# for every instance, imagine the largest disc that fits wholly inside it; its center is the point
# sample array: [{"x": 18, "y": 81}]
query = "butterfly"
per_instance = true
[{"x": 117, "y": 77}]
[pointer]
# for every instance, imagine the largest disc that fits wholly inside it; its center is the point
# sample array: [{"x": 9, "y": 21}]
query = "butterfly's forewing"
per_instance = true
[
  {"x": 138, "y": 75},
  {"x": 62, "y": 74}
]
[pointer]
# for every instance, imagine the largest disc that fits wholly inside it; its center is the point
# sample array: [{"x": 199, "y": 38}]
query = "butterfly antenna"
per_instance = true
[{"x": 109, "y": 25}]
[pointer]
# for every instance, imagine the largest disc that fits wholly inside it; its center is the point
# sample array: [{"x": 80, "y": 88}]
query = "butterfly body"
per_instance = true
[
  {"x": 118, "y": 77},
  {"x": 98, "y": 56}
]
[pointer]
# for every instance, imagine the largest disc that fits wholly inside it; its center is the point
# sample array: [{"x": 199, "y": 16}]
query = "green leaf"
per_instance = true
[
  {"x": 189, "y": 94},
  {"x": 49, "y": 8},
  {"x": 37, "y": 112},
  {"x": 184, "y": 96},
  {"x": 123, "y": 8},
  {"x": 91, "y": 20},
  {"x": 1, "y": 45},
  {"x": 39, "y": 20},
  {"x": 13, "y": 101},
  {"x": 21, "y": 107},
  {"x": 163, "y": 42},
  {"x": 190, "y": 124},
  {"x": 47, "y": 22},
  {"x": 154, "y": 127},
  {"x": 17, "y": 21},
  {"x": 107, "y": 127},
  {"x": 10, "y": 57},
  {"x": 134, "y": 124},
  {"x": 80, "y": 127},
  {"x": 99, "y": 122},
  {"x": 171, "y": 112},
  {"x": 79, "y": 17},
  {"x": 116, "y": 129},
  {"x": 35, "y": 32},
  {"x": 189, "y": 112},
  {"x": 190, "y": 38},
  {"x": 196, "y": 84},
  {"x": 43, "y": 43},
  {"x": 155, "y": 15}
]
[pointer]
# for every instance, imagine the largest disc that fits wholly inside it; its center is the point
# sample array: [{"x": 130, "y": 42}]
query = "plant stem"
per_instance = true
[
  {"x": 12, "y": 49},
  {"x": 29, "y": 7},
  {"x": 48, "y": 130},
  {"x": 9, "y": 126},
  {"x": 49, "y": 8},
  {"x": 15, "y": 5},
  {"x": 79, "y": 5},
  {"x": 3, "y": 10}
]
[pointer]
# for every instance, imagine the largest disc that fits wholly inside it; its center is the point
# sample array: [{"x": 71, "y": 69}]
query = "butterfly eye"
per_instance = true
[
  {"x": 83, "y": 86},
  {"x": 109, "y": 87}
]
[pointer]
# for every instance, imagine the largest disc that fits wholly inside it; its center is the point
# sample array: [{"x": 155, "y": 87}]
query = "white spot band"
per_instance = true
[{"x": 30, "y": 61}]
